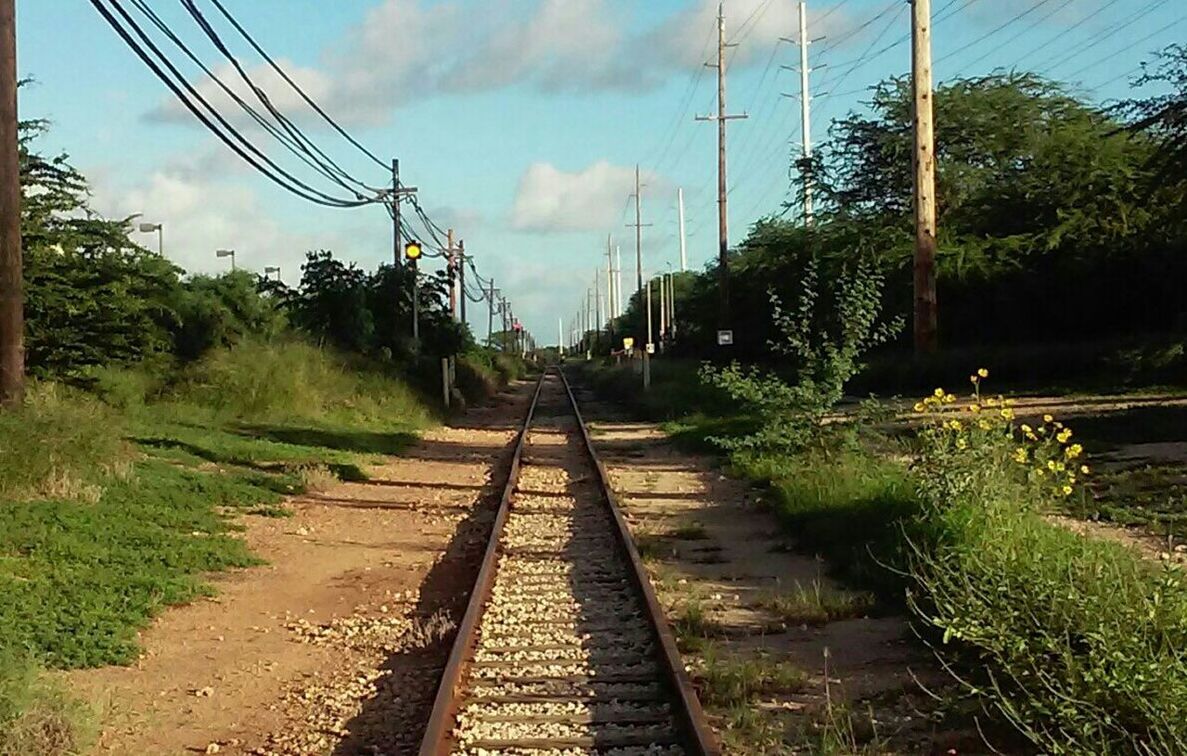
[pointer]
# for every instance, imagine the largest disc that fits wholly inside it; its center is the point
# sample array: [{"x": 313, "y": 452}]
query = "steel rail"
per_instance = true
[
  {"x": 697, "y": 738},
  {"x": 702, "y": 740},
  {"x": 437, "y": 730}
]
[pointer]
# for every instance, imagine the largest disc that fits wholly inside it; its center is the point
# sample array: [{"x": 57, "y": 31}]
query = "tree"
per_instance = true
[{"x": 92, "y": 295}]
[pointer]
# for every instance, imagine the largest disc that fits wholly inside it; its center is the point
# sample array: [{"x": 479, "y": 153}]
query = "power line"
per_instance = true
[
  {"x": 294, "y": 141},
  {"x": 1132, "y": 45},
  {"x": 1088, "y": 44},
  {"x": 227, "y": 133},
  {"x": 303, "y": 142},
  {"x": 284, "y": 75},
  {"x": 1023, "y": 30},
  {"x": 1016, "y": 18}
]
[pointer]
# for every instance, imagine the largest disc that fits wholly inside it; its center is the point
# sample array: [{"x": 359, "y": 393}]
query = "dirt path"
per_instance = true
[
  {"x": 334, "y": 646},
  {"x": 784, "y": 657}
]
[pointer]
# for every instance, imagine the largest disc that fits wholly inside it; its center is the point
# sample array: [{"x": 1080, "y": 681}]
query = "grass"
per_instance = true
[
  {"x": 1076, "y": 643},
  {"x": 37, "y": 716},
  {"x": 737, "y": 686},
  {"x": 816, "y": 605},
  {"x": 116, "y": 503}
]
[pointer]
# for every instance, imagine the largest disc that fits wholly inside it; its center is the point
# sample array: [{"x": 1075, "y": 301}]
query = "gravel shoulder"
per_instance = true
[
  {"x": 783, "y": 656},
  {"x": 336, "y": 644}
]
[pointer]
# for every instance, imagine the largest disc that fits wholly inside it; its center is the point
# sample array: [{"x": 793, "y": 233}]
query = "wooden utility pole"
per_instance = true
[
  {"x": 398, "y": 193},
  {"x": 924, "y": 159},
  {"x": 722, "y": 188},
  {"x": 461, "y": 275},
  {"x": 12, "y": 301},
  {"x": 451, "y": 263},
  {"x": 490, "y": 318}
]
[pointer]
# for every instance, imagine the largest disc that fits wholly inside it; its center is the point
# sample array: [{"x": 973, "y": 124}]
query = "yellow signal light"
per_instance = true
[{"x": 412, "y": 251}]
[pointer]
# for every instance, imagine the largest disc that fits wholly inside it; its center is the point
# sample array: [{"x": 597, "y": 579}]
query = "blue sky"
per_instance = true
[{"x": 521, "y": 121}]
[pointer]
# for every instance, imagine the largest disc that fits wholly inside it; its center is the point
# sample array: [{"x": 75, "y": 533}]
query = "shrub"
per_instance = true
[
  {"x": 825, "y": 338},
  {"x": 1080, "y": 643},
  {"x": 60, "y": 445}
]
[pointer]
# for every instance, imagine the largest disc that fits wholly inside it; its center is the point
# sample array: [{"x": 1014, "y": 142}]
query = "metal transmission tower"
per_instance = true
[
  {"x": 722, "y": 189},
  {"x": 924, "y": 159},
  {"x": 805, "y": 98}
]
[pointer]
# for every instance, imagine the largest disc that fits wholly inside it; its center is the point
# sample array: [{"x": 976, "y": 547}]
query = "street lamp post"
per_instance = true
[
  {"x": 227, "y": 253},
  {"x": 148, "y": 228}
]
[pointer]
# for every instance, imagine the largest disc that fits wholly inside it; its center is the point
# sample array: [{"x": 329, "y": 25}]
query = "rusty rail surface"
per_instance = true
[{"x": 692, "y": 734}]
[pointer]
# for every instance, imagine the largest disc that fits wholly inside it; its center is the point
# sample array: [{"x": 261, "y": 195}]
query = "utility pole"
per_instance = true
[
  {"x": 490, "y": 318},
  {"x": 638, "y": 226},
  {"x": 722, "y": 188},
  {"x": 451, "y": 264},
  {"x": 672, "y": 304},
  {"x": 618, "y": 278},
  {"x": 560, "y": 336},
  {"x": 611, "y": 295},
  {"x": 12, "y": 300},
  {"x": 598, "y": 322},
  {"x": 461, "y": 275},
  {"x": 398, "y": 193},
  {"x": 663, "y": 307},
  {"x": 683, "y": 240},
  {"x": 924, "y": 159},
  {"x": 650, "y": 337},
  {"x": 589, "y": 326},
  {"x": 805, "y": 99}
]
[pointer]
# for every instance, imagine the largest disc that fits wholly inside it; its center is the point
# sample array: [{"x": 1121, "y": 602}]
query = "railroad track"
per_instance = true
[{"x": 563, "y": 649}]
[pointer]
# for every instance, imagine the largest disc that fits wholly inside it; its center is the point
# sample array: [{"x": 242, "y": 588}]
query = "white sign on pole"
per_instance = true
[{"x": 725, "y": 338}]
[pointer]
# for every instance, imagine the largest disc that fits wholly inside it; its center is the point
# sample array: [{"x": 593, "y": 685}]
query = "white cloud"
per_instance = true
[
  {"x": 549, "y": 199},
  {"x": 465, "y": 46},
  {"x": 201, "y": 215}
]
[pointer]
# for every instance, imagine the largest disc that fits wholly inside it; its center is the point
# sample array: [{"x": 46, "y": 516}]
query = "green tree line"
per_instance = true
[
  {"x": 94, "y": 297},
  {"x": 1059, "y": 220}
]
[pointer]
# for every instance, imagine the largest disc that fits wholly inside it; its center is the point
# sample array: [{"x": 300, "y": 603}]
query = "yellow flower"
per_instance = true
[
  {"x": 991, "y": 402},
  {"x": 1067, "y": 490},
  {"x": 973, "y": 379},
  {"x": 1031, "y": 437},
  {"x": 1020, "y": 455},
  {"x": 919, "y": 406},
  {"x": 962, "y": 444},
  {"x": 983, "y": 373},
  {"x": 1026, "y": 429},
  {"x": 949, "y": 398},
  {"x": 1073, "y": 451},
  {"x": 1048, "y": 418},
  {"x": 938, "y": 393},
  {"x": 984, "y": 424},
  {"x": 1085, "y": 469},
  {"x": 1064, "y": 435},
  {"x": 1060, "y": 467},
  {"x": 1051, "y": 465},
  {"x": 1008, "y": 413},
  {"x": 955, "y": 425},
  {"x": 974, "y": 408},
  {"x": 1040, "y": 472}
]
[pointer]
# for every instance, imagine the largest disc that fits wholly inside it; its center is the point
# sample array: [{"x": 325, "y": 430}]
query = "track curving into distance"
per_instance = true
[{"x": 563, "y": 649}]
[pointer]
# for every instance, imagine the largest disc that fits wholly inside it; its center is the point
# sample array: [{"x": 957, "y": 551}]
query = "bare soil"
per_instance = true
[
  {"x": 709, "y": 541},
  {"x": 336, "y": 645}
]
